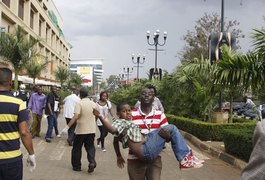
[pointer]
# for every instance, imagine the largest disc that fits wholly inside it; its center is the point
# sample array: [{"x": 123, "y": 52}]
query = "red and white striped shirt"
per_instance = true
[{"x": 154, "y": 120}]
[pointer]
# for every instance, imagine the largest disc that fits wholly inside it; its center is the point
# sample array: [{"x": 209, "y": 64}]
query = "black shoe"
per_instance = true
[
  {"x": 48, "y": 140},
  {"x": 70, "y": 142},
  {"x": 91, "y": 168},
  {"x": 77, "y": 169}
]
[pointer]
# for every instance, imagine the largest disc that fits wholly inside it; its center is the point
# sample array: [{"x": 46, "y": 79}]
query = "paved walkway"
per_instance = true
[{"x": 54, "y": 163}]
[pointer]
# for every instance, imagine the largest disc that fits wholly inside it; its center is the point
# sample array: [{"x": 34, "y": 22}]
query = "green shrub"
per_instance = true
[
  {"x": 206, "y": 131},
  {"x": 238, "y": 142},
  {"x": 63, "y": 94},
  {"x": 241, "y": 120}
]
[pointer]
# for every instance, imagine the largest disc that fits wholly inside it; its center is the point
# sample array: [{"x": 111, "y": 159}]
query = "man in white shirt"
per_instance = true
[{"x": 69, "y": 106}]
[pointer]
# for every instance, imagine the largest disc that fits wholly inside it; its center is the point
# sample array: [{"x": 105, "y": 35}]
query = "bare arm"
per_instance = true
[
  {"x": 110, "y": 112},
  {"x": 120, "y": 160},
  {"x": 73, "y": 120},
  {"x": 105, "y": 122},
  {"x": 26, "y": 137}
]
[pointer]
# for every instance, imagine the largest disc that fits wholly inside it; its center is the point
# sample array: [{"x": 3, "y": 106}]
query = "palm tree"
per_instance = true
[
  {"x": 234, "y": 72},
  {"x": 61, "y": 74},
  {"x": 34, "y": 68},
  {"x": 17, "y": 50},
  {"x": 74, "y": 80},
  {"x": 258, "y": 80},
  {"x": 196, "y": 78},
  {"x": 191, "y": 87}
]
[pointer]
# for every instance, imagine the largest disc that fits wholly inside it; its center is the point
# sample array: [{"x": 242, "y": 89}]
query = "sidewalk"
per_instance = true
[
  {"x": 216, "y": 149},
  {"x": 54, "y": 161}
]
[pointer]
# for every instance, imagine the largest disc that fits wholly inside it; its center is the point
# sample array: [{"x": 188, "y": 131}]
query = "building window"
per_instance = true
[
  {"x": 40, "y": 26},
  {"x": 31, "y": 19},
  {"x": 52, "y": 39},
  {"x": 21, "y": 9},
  {"x": 6, "y": 2},
  {"x": 48, "y": 36}
]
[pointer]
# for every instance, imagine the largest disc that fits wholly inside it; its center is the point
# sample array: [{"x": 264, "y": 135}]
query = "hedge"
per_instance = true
[
  {"x": 207, "y": 131},
  {"x": 239, "y": 142}
]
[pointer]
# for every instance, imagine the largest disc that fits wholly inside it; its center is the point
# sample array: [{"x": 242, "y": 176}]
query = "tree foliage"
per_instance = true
[
  {"x": 197, "y": 41},
  {"x": 34, "y": 67},
  {"x": 17, "y": 49},
  {"x": 61, "y": 74},
  {"x": 75, "y": 80}
]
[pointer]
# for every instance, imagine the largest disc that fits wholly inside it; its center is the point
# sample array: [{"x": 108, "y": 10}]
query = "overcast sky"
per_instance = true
[{"x": 116, "y": 29}]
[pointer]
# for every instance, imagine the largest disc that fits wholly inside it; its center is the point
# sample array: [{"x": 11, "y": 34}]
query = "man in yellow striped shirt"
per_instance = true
[{"x": 13, "y": 126}]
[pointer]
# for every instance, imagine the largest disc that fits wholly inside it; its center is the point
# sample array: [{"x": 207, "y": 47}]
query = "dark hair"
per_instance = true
[
  {"x": 150, "y": 86},
  {"x": 119, "y": 106},
  {"x": 101, "y": 94},
  {"x": 83, "y": 92},
  {"x": 5, "y": 75}
]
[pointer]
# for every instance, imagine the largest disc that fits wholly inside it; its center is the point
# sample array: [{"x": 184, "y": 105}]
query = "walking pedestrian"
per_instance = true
[
  {"x": 104, "y": 107},
  {"x": 36, "y": 105},
  {"x": 69, "y": 106},
  {"x": 49, "y": 111},
  {"x": 84, "y": 132},
  {"x": 13, "y": 126},
  {"x": 256, "y": 164},
  {"x": 57, "y": 107},
  {"x": 22, "y": 94}
]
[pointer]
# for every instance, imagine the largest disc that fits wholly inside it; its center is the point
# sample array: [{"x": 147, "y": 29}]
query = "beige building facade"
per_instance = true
[{"x": 40, "y": 19}]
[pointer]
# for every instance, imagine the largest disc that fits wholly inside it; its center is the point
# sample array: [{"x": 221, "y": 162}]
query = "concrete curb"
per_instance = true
[{"x": 214, "y": 152}]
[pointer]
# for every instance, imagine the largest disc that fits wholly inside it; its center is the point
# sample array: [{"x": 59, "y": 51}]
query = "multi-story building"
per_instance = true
[
  {"x": 91, "y": 70},
  {"x": 40, "y": 19}
]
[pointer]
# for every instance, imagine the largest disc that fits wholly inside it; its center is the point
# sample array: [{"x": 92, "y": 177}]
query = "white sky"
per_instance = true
[{"x": 116, "y": 29}]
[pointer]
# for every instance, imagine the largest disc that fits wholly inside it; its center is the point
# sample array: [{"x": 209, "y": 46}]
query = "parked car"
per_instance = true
[{"x": 235, "y": 106}]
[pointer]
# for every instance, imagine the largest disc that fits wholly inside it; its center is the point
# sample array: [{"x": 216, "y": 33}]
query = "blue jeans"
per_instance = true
[
  {"x": 71, "y": 130},
  {"x": 55, "y": 124},
  {"x": 154, "y": 144},
  {"x": 51, "y": 121},
  {"x": 11, "y": 171}
]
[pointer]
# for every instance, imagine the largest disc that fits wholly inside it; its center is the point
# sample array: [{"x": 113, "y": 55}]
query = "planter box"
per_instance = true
[{"x": 220, "y": 117}]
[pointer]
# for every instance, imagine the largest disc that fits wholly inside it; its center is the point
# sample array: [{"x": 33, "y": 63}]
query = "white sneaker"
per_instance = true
[
  {"x": 188, "y": 162},
  {"x": 104, "y": 150},
  {"x": 197, "y": 160},
  {"x": 58, "y": 136}
]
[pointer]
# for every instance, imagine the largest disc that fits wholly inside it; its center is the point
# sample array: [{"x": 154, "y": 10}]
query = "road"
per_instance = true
[{"x": 54, "y": 162}]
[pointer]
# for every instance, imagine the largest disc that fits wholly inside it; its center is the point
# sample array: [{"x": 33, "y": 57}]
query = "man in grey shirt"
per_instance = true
[
  {"x": 256, "y": 165},
  {"x": 156, "y": 103}
]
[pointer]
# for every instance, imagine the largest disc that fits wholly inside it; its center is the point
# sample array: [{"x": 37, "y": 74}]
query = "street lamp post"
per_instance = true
[
  {"x": 222, "y": 16},
  {"x": 138, "y": 61},
  {"x": 128, "y": 70},
  {"x": 121, "y": 76},
  {"x": 156, "y": 43}
]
